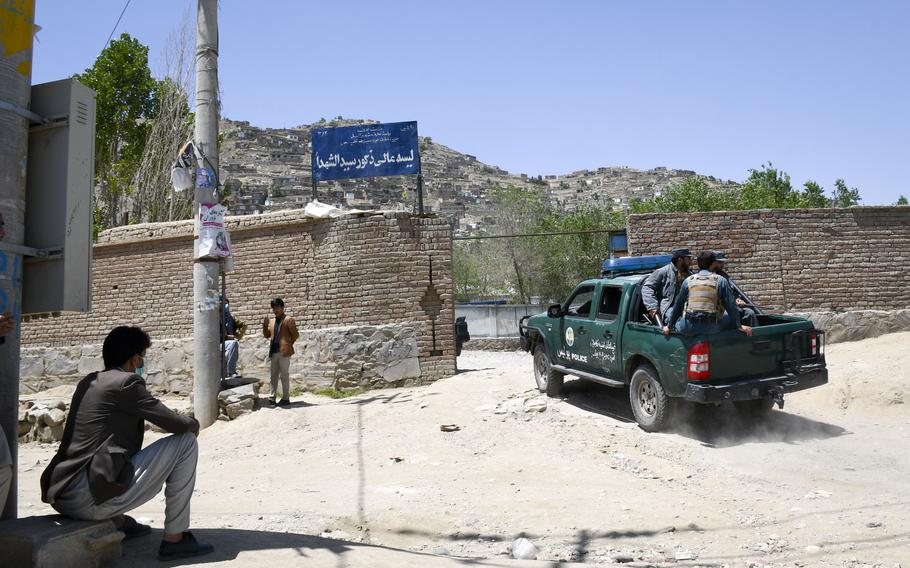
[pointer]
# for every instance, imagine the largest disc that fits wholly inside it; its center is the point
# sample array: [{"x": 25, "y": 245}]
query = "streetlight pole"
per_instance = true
[{"x": 206, "y": 271}]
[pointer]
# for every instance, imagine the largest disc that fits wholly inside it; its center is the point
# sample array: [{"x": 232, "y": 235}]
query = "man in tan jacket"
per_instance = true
[{"x": 282, "y": 330}]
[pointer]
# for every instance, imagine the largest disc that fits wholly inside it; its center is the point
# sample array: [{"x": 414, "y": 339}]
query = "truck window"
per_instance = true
[
  {"x": 580, "y": 302},
  {"x": 609, "y": 303}
]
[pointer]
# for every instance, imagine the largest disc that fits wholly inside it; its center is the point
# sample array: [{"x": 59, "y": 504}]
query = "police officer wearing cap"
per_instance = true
[
  {"x": 746, "y": 314},
  {"x": 699, "y": 307},
  {"x": 662, "y": 286}
]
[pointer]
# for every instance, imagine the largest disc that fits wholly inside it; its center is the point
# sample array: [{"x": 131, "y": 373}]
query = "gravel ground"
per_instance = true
[{"x": 825, "y": 482}]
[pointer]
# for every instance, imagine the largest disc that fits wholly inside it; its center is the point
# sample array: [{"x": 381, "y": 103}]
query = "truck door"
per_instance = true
[
  {"x": 575, "y": 326},
  {"x": 603, "y": 334}
]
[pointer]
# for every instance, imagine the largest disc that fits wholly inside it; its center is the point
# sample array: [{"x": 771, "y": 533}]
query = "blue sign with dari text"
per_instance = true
[{"x": 368, "y": 150}]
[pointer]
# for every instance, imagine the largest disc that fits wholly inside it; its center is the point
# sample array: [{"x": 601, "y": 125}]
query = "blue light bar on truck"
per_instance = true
[{"x": 636, "y": 263}]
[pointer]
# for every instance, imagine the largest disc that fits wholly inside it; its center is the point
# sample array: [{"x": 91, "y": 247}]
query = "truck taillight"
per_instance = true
[
  {"x": 813, "y": 343},
  {"x": 699, "y": 365}
]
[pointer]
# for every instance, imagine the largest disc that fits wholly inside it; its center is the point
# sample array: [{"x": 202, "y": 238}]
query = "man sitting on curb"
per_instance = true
[{"x": 100, "y": 472}]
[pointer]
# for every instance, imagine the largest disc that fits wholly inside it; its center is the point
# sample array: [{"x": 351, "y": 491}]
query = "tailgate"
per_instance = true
[{"x": 772, "y": 349}]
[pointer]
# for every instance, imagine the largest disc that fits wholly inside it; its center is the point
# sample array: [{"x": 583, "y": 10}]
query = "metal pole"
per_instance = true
[
  {"x": 420, "y": 194},
  {"x": 223, "y": 332},
  {"x": 17, "y": 24},
  {"x": 315, "y": 192},
  {"x": 206, "y": 371}
]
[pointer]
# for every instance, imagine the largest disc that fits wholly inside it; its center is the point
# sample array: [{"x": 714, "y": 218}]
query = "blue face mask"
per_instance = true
[{"x": 140, "y": 370}]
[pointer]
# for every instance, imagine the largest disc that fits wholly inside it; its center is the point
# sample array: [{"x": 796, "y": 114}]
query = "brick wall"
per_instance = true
[
  {"x": 372, "y": 269},
  {"x": 797, "y": 259}
]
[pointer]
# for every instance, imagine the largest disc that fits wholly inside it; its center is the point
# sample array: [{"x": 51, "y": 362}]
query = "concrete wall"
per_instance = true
[
  {"x": 499, "y": 320},
  {"x": 369, "y": 271},
  {"x": 797, "y": 260},
  {"x": 355, "y": 356}
]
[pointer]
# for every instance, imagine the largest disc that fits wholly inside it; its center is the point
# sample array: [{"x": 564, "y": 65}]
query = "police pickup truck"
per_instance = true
[{"x": 603, "y": 333}]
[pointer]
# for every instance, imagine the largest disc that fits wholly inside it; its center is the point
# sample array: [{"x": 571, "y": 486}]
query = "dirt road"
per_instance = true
[{"x": 825, "y": 482}]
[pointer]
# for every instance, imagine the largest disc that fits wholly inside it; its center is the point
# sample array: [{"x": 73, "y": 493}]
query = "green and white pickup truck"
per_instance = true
[{"x": 602, "y": 333}]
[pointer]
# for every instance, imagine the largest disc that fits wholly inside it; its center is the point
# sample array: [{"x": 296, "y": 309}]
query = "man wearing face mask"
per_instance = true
[{"x": 101, "y": 470}]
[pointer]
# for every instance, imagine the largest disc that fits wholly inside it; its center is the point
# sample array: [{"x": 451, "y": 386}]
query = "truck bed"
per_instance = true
[{"x": 779, "y": 345}]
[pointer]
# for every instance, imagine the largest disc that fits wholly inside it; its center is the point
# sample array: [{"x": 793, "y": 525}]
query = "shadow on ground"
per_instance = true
[
  {"x": 715, "y": 426},
  {"x": 307, "y": 549},
  {"x": 462, "y": 370}
]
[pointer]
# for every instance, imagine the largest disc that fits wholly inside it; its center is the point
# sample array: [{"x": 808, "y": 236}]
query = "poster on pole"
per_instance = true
[
  {"x": 367, "y": 150},
  {"x": 214, "y": 239}
]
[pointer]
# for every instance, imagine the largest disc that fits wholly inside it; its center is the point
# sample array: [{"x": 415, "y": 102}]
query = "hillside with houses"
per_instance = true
[{"x": 267, "y": 169}]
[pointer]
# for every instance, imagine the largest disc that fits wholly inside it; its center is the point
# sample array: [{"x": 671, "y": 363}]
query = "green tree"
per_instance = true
[
  {"x": 691, "y": 194},
  {"x": 471, "y": 274},
  {"x": 765, "y": 188},
  {"x": 576, "y": 254},
  {"x": 844, "y": 196},
  {"x": 151, "y": 194},
  {"x": 768, "y": 188},
  {"x": 901, "y": 200},
  {"x": 125, "y": 101},
  {"x": 517, "y": 210},
  {"x": 814, "y": 195}
]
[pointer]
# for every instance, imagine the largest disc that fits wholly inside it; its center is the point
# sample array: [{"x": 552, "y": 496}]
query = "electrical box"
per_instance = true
[{"x": 58, "y": 199}]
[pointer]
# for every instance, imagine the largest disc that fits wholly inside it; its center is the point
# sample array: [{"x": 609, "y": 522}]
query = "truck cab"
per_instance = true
[{"x": 603, "y": 333}]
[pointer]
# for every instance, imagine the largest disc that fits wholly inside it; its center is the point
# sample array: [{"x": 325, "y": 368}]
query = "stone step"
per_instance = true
[
  {"x": 237, "y": 382},
  {"x": 54, "y": 541}
]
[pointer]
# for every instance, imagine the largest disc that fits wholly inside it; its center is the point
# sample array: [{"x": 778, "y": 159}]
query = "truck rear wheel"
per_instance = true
[
  {"x": 548, "y": 380},
  {"x": 650, "y": 403}
]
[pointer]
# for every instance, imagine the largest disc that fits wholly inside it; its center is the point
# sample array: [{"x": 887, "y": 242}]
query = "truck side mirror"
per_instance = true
[{"x": 555, "y": 311}]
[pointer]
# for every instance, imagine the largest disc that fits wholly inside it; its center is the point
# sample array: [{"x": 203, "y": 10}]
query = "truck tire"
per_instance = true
[
  {"x": 548, "y": 380},
  {"x": 650, "y": 403},
  {"x": 754, "y": 409}
]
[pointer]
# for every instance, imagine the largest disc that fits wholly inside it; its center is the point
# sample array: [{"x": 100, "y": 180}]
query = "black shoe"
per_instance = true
[
  {"x": 133, "y": 529},
  {"x": 284, "y": 402},
  {"x": 187, "y": 546},
  {"x": 271, "y": 402}
]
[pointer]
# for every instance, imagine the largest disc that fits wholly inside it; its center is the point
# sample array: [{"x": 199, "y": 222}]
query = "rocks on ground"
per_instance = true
[
  {"x": 234, "y": 403},
  {"x": 524, "y": 549}
]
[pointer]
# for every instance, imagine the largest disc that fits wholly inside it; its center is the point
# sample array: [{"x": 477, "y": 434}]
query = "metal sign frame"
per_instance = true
[{"x": 367, "y": 150}]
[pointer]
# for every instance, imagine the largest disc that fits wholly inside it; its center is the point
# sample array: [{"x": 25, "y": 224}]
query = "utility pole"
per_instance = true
[
  {"x": 206, "y": 367},
  {"x": 17, "y": 28}
]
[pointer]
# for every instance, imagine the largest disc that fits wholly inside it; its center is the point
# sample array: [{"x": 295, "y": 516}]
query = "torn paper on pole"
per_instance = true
[
  {"x": 183, "y": 169},
  {"x": 214, "y": 240}
]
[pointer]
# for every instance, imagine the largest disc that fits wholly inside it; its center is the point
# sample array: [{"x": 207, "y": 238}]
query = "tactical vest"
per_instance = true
[{"x": 703, "y": 297}]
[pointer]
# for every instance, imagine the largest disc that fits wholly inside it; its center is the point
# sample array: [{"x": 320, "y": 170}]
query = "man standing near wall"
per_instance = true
[
  {"x": 231, "y": 345},
  {"x": 282, "y": 331},
  {"x": 661, "y": 287}
]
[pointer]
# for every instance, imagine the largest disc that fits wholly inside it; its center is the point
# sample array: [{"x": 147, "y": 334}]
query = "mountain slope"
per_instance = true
[{"x": 269, "y": 169}]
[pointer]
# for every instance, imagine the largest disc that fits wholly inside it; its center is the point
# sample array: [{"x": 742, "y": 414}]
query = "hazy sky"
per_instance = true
[{"x": 819, "y": 88}]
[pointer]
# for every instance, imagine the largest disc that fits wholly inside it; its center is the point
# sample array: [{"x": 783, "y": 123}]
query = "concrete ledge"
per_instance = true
[
  {"x": 492, "y": 344},
  {"x": 54, "y": 541},
  {"x": 855, "y": 325}
]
